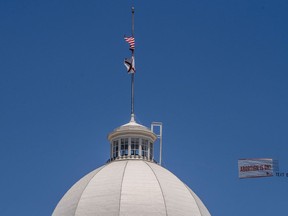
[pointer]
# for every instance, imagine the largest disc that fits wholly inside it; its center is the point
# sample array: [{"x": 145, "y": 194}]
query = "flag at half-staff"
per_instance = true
[
  {"x": 130, "y": 64},
  {"x": 131, "y": 42}
]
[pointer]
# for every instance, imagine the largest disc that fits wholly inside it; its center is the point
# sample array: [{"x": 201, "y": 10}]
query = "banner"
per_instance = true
[{"x": 255, "y": 167}]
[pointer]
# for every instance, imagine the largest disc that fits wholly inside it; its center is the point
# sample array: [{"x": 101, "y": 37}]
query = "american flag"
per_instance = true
[{"x": 131, "y": 41}]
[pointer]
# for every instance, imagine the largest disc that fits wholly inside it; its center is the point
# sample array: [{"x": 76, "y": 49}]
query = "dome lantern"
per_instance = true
[{"x": 132, "y": 141}]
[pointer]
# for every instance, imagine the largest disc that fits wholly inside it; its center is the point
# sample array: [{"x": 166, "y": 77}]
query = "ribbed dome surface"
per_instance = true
[{"x": 130, "y": 188}]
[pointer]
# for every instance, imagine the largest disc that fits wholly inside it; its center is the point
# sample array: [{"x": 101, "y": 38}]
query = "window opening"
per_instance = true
[
  {"x": 124, "y": 146},
  {"x": 134, "y": 146},
  {"x": 144, "y": 148},
  {"x": 115, "y": 149}
]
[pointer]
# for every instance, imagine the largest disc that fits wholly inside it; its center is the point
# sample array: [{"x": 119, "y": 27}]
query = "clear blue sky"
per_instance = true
[{"x": 214, "y": 72}]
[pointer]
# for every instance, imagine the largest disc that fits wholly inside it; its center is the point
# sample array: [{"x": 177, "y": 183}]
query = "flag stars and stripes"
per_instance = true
[{"x": 131, "y": 42}]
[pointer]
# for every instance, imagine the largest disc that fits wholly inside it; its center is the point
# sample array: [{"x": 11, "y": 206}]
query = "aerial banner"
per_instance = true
[{"x": 255, "y": 167}]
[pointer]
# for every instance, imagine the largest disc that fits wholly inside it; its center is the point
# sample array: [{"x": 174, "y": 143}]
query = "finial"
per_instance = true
[{"x": 132, "y": 118}]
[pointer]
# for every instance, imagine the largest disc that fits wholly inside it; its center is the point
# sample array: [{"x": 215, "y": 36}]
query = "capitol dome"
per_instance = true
[
  {"x": 131, "y": 183},
  {"x": 130, "y": 187}
]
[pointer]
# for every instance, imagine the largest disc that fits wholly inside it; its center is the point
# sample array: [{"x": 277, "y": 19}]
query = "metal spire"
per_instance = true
[{"x": 132, "y": 74}]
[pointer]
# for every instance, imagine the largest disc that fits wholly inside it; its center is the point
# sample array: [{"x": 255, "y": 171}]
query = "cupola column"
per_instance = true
[{"x": 129, "y": 146}]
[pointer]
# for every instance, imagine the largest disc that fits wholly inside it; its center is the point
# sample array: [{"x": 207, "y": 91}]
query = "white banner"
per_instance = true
[{"x": 255, "y": 167}]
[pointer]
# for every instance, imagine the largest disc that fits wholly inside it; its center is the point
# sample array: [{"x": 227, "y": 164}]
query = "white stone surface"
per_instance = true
[{"x": 130, "y": 188}]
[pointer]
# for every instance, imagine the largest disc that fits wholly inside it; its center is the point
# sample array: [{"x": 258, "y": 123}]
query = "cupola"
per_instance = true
[{"x": 132, "y": 141}]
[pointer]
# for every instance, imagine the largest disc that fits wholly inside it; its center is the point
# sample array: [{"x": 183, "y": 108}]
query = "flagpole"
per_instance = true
[{"x": 132, "y": 74}]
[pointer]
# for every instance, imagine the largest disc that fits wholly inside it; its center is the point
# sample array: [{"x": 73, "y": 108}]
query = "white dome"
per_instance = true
[{"x": 130, "y": 187}]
